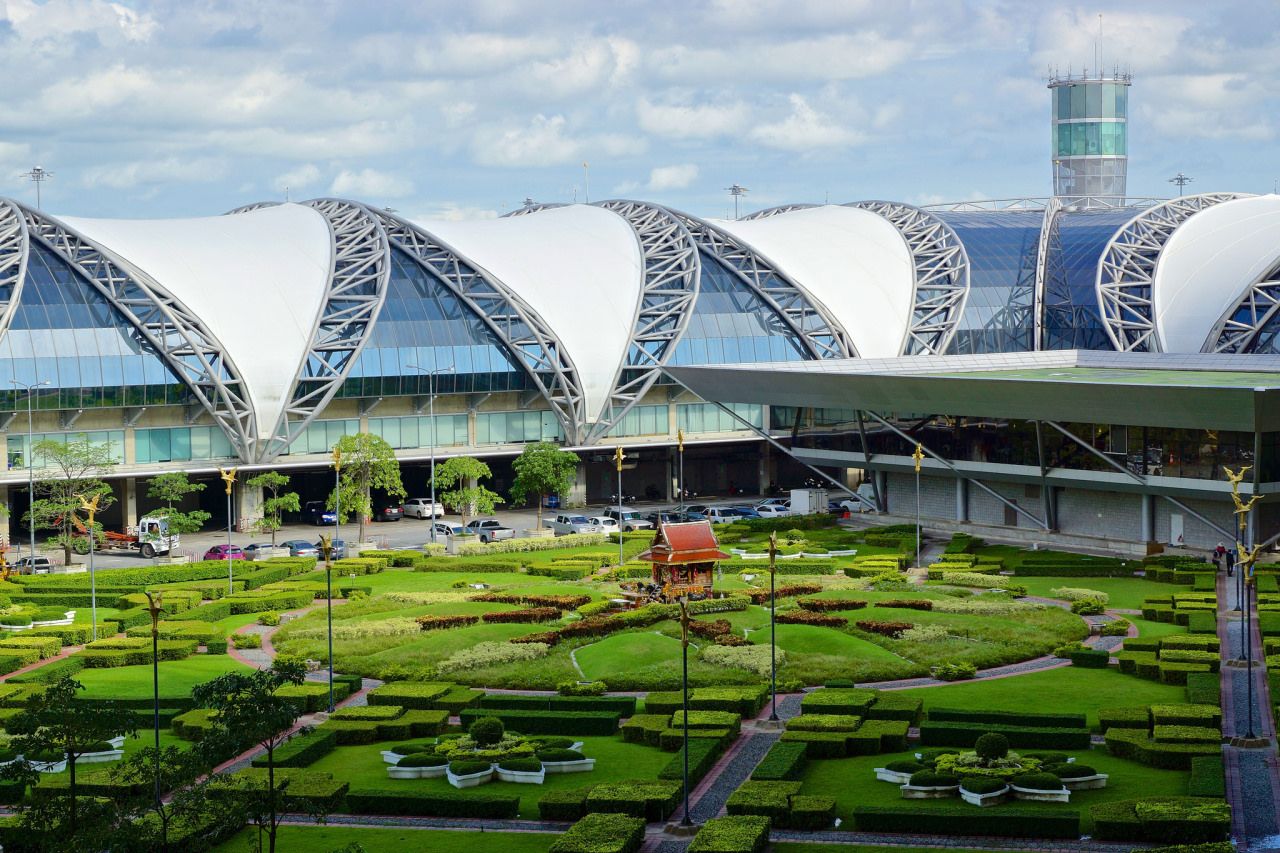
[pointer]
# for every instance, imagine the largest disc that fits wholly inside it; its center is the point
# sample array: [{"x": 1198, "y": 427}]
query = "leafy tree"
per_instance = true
[
  {"x": 543, "y": 469},
  {"x": 368, "y": 463},
  {"x": 149, "y": 824},
  {"x": 457, "y": 476},
  {"x": 53, "y": 724},
  {"x": 277, "y": 504},
  {"x": 249, "y": 713},
  {"x": 170, "y": 489},
  {"x": 67, "y": 472}
]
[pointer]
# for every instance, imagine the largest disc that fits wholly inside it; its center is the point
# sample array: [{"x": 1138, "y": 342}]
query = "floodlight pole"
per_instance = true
[
  {"x": 30, "y": 388},
  {"x": 326, "y": 545},
  {"x": 229, "y": 478},
  {"x": 431, "y": 416},
  {"x": 91, "y": 509},
  {"x": 153, "y": 607},
  {"x": 684, "y": 680},
  {"x": 918, "y": 456},
  {"x": 773, "y": 637},
  {"x": 618, "y": 456},
  {"x": 680, "y": 448}
]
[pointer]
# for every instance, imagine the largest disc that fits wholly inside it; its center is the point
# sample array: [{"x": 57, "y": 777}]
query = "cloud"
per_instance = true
[
  {"x": 848, "y": 56},
  {"x": 35, "y": 22},
  {"x": 805, "y": 129},
  {"x": 672, "y": 177},
  {"x": 691, "y": 121},
  {"x": 545, "y": 142},
  {"x": 452, "y": 211},
  {"x": 168, "y": 170},
  {"x": 370, "y": 183},
  {"x": 300, "y": 178}
]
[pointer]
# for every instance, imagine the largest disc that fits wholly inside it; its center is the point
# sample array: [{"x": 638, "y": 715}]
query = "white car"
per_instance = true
[
  {"x": 606, "y": 525},
  {"x": 721, "y": 515},
  {"x": 782, "y": 502},
  {"x": 628, "y": 518},
  {"x": 772, "y": 511},
  {"x": 447, "y": 528},
  {"x": 422, "y": 508},
  {"x": 566, "y": 523}
]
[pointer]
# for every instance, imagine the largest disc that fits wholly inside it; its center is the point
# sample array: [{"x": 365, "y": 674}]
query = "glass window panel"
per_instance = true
[
  {"x": 1093, "y": 100},
  {"x": 1078, "y": 98}
]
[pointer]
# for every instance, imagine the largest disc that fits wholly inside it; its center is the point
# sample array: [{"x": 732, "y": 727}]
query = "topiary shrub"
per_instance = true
[
  {"x": 982, "y": 784},
  {"x": 991, "y": 746},
  {"x": 553, "y": 755},
  {"x": 519, "y": 765},
  {"x": 423, "y": 759},
  {"x": 930, "y": 779},
  {"x": 486, "y": 731},
  {"x": 1037, "y": 782},
  {"x": 904, "y": 766},
  {"x": 466, "y": 768},
  {"x": 1071, "y": 771}
]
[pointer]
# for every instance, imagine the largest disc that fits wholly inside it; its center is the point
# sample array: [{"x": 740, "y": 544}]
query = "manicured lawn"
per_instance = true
[
  {"x": 851, "y": 782},
  {"x": 176, "y": 677},
  {"x": 626, "y": 653},
  {"x": 231, "y": 623},
  {"x": 145, "y": 738},
  {"x": 363, "y": 767},
  {"x": 1070, "y": 689},
  {"x": 812, "y": 640},
  {"x": 794, "y": 847},
  {"x": 1157, "y": 629},
  {"x": 1125, "y": 593},
  {"x": 318, "y": 839}
]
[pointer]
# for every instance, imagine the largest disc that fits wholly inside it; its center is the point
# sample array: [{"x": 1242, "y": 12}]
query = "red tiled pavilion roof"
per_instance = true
[{"x": 688, "y": 542}]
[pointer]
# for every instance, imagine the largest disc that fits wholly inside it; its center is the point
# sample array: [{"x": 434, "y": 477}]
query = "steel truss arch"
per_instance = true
[
  {"x": 1126, "y": 273},
  {"x": 774, "y": 211},
  {"x": 15, "y": 246},
  {"x": 164, "y": 324},
  {"x": 940, "y": 272},
  {"x": 803, "y": 315},
  {"x": 513, "y": 321},
  {"x": 1237, "y": 330}
]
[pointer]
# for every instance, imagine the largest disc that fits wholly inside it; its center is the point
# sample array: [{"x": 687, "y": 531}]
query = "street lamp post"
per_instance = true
[
  {"x": 431, "y": 416},
  {"x": 91, "y": 509},
  {"x": 618, "y": 456},
  {"x": 773, "y": 639},
  {"x": 326, "y": 547},
  {"x": 1247, "y": 554},
  {"x": 30, "y": 388},
  {"x": 229, "y": 478},
  {"x": 918, "y": 457},
  {"x": 153, "y": 607},
  {"x": 680, "y": 448},
  {"x": 684, "y": 681}
]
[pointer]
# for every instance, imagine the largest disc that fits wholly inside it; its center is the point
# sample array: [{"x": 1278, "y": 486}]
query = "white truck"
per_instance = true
[
  {"x": 808, "y": 501},
  {"x": 153, "y": 538}
]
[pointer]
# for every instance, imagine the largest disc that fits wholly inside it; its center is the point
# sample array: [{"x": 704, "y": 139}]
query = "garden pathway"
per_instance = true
[{"x": 1253, "y": 779}]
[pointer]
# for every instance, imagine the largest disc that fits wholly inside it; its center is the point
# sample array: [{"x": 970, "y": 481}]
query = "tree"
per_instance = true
[
  {"x": 148, "y": 824},
  {"x": 250, "y": 713},
  {"x": 52, "y": 725},
  {"x": 543, "y": 469},
  {"x": 170, "y": 489},
  {"x": 68, "y": 471},
  {"x": 277, "y": 504},
  {"x": 457, "y": 476},
  {"x": 368, "y": 463}
]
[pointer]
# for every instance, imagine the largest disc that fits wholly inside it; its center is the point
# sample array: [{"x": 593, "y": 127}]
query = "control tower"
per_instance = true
[{"x": 1090, "y": 134}]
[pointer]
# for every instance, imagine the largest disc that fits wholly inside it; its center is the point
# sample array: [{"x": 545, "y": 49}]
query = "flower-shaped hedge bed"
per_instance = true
[{"x": 486, "y": 752}]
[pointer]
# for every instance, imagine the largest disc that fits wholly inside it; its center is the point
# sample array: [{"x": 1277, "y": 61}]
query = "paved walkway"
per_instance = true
[{"x": 1253, "y": 779}]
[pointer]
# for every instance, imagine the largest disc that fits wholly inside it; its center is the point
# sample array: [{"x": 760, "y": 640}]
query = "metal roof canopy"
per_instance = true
[{"x": 1193, "y": 391}]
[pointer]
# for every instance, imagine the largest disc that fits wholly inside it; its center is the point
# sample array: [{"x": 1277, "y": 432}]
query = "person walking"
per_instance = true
[
  {"x": 1219, "y": 557},
  {"x": 1231, "y": 561}
]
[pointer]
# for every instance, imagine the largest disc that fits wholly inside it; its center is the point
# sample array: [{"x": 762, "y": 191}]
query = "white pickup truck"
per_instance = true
[
  {"x": 490, "y": 529},
  {"x": 566, "y": 523}
]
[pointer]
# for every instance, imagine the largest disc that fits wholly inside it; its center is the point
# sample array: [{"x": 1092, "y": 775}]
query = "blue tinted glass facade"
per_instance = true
[
  {"x": 423, "y": 323},
  {"x": 67, "y": 333},
  {"x": 1002, "y": 246},
  {"x": 1076, "y": 242},
  {"x": 730, "y": 324}
]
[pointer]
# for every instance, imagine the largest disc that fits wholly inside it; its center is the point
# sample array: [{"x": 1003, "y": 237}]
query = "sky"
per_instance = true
[{"x": 462, "y": 110}]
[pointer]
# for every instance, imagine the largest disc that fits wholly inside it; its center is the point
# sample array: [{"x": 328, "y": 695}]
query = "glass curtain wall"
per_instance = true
[
  {"x": 1077, "y": 239},
  {"x": 1002, "y": 246}
]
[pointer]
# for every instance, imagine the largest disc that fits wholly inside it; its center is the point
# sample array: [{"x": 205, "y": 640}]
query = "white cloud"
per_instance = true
[
  {"x": 370, "y": 183},
  {"x": 846, "y": 56},
  {"x": 300, "y": 178},
  {"x": 672, "y": 177},
  {"x": 805, "y": 129},
  {"x": 545, "y": 142},
  {"x": 691, "y": 121},
  {"x": 167, "y": 170},
  {"x": 453, "y": 212},
  {"x": 59, "y": 20}
]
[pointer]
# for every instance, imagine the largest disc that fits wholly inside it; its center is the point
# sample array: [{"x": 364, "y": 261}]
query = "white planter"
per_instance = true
[
  {"x": 417, "y": 772},
  {"x": 27, "y": 627},
  {"x": 1086, "y": 783},
  {"x": 117, "y": 741},
  {"x": 911, "y": 792},
  {"x": 392, "y": 757},
  {"x": 886, "y": 775},
  {"x": 451, "y": 546},
  {"x": 1062, "y": 796},
  {"x": 584, "y": 766},
  {"x": 522, "y": 777},
  {"x": 100, "y": 757},
  {"x": 470, "y": 780},
  {"x": 981, "y": 800},
  {"x": 49, "y": 766},
  {"x": 538, "y": 532}
]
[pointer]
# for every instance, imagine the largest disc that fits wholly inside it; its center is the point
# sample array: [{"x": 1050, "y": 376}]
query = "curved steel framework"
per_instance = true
[
  {"x": 14, "y": 246},
  {"x": 164, "y": 324},
  {"x": 356, "y": 289},
  {"x": 1126, "y": 273},
  {"x": 941, "y": 269},
  {"x": 668, "y": 290},
  {"x": 774, "y": 211},
  {"x": 1048, "y": 234},
  {"x": 513, "y": 321},
  {"x": 1237, "y": 330},
  {"x": 802, "y": 315}
]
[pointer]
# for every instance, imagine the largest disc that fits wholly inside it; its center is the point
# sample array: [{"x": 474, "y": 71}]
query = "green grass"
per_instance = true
[
  {"x": 802, "y": 640},
  {"x": 1125, "y": 593},
  {"x": 1070, "y": 689},
  {"x": 622, "y": 653},
  {"x": 145, "y": 738},
  {"x": 1157, "y": 629},
  {"x": 851, "y": 782},
  {"x": 363, "y": 767},
  {"x": 176, "y": 677},
  {"x": 318, "y": 839}
]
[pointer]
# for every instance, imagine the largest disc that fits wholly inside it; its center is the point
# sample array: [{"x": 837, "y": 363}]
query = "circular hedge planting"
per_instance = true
[
  {"x": 991, "y": 746},
  {"x": 982, "y": 784},
  {"x": 1037, "y": 782},
  {"x": 466, "y": 768},
  {"x": 486, "y": 731},
  {"x": 929, "y": 779},
  {"x": 425, "y": 759}
]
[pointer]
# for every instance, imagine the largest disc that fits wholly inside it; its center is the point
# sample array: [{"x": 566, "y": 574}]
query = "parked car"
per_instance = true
[
  {"x": 606, "y": 524},
  {"x": 259, "y": 551},
  {"x": 422, "y": 508},
  {"x": 33, "y": 565},
  {"x": 772, "y": 511},
  {"x": 721, "y": 515},
  {"x": 387, "y": 512},
  {"x": 551, "y": 502},
  {"x": 338, "y": 546},
  {"x": 782, "y": 502},
  {"x": 314, "y": 512},
  {"x": 745, "y": 511},
  {"x": 564, "y": 524},
  {"x": 300, "y": 548},
  {"x": 447, "y": 528},
  {"x": 224, "y": 552},
  {"x": 627, "y": 518},
  {"x": 490, "y": 529},
  {"x": 671, "y": 516},
  {"x": 700, "y": 509}
]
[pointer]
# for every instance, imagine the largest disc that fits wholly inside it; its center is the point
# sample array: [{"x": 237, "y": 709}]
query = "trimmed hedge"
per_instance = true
[
  {"x": 894, "y": 706},
  {"x": 1167, "y": 820},
  {"x": 1137, "y": 745},
  {"x": 602, "y": 833},
  {"x": 735, "y": 834},
  {"x": 964, "y": 734},
  {"x": 766, "y": 799},
  {"x": 837, "y": 701},
  {"x": 410, "y": 694},
  {"x": 548, "y": 722},
  {"x": 624, "y": 705},
  {"x": 1014, "y": 718},
  {"x": 703, "y": 753},
  {"x": 746, "y": 701},
  {"x": 302, "y": 750},
  {"x": 650, "y": 800},
  {"x": 785, "y": 761},
  {"x": 563, "y": 805},
  {"x": 963, "y": 819},
  {"x": 1208, "y": 777},
  {"x": 419, "y": 803}
]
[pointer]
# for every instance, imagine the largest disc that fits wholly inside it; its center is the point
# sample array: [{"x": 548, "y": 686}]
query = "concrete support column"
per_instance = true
[
  {"x": 248, "y": 505},
  {"x": 962, "y": 499},
  {"x": 130, "y": 446},
  {"x": 673, "y": 472},
  {"x": 1051, "y": 506},
  {"x": 766, "y": 468},
  {"x": 578, "y": 494},
  {"x": 129, "y": 501},
  {"x": 471, "y": 428},
  {"x": 882, "y": 484},
  {"x": 1148, "y": 531}
]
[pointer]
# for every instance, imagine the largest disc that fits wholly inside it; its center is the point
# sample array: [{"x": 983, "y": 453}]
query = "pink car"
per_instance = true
[{"x": 225, "y": 552}]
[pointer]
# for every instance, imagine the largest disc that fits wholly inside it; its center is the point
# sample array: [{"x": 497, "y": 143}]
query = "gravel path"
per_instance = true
[
  {"x": 959, "y": 842},
  {"x": 750, "y": 751}
]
